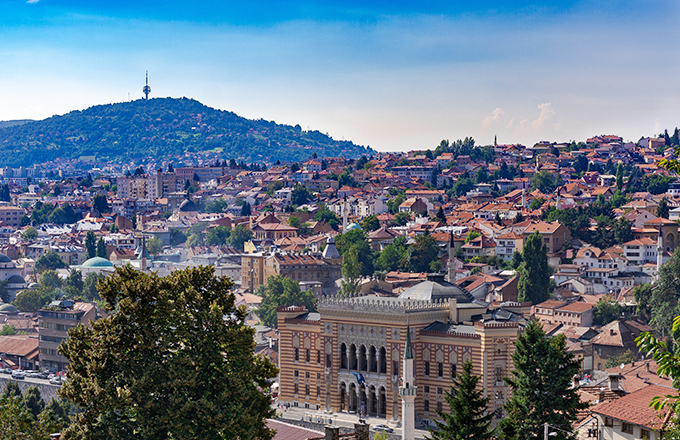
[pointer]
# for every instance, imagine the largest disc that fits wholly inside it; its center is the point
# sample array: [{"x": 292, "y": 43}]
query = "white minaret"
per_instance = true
[
  {"x": 344, "y": 215},
  {"x": 407, "y": 391},
  {"x": 659, "y": 252},
  {"x": 524, "y": 198}
]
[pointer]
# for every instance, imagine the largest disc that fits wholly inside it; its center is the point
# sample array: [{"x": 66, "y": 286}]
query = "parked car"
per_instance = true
[
  {"x": 379, "y": 428},
  {"x": 7, "y": 371},
  {"x": 55, "y": 381},
  {"x": 18, "y": 374}
]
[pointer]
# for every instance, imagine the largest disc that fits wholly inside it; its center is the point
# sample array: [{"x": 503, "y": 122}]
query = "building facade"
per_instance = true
[{"x": 348, "y": 356}]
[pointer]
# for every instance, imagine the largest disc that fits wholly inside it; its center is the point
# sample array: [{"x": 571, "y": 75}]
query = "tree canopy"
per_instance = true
[
  {"x": 281, "y": 291},
  {"x": 541, "y": 385},
  {"x": 173, "y": 360},
  {"x": 534, "y": 272}
]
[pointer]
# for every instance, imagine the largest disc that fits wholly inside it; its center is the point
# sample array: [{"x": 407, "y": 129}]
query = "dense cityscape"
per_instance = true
[{"x": 368, "y": 285}]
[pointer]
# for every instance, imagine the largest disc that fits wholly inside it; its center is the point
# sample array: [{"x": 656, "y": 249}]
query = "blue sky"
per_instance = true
[{"x": 394, "y": 75}]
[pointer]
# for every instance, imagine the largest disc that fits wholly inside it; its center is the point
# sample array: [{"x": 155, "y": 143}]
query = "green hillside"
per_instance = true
[{"x": 160, "y": 128}]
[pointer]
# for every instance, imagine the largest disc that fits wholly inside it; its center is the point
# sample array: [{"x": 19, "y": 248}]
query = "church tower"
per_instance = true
[{"x": 407, "y": 391}]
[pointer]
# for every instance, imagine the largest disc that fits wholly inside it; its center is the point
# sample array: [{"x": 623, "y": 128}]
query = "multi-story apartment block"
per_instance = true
[
  {"x": 11, "y": 215},
  {"x": 54, "y": 322}
]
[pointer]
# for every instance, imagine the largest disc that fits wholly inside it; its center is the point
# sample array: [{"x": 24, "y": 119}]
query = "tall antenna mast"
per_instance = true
[{"x": 146, "y": 90}]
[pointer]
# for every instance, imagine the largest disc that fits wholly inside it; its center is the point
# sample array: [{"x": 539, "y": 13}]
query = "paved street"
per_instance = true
[{"x": 343, "y": 419}]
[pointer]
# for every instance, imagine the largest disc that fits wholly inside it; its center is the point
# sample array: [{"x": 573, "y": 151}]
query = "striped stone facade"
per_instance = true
[{"x": 319, "y": 352}]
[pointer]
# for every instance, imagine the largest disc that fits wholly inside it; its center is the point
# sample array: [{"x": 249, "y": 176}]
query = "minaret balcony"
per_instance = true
[{"x": 407, "y": 391}]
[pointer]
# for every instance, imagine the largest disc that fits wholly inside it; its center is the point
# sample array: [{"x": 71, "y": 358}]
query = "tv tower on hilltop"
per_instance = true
[{"x": 146, "y": 90}]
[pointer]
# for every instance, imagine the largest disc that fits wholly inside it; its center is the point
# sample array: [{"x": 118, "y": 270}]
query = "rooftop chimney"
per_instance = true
[
  {"x": 453, "y": 310},
  {"x": 614, "y": 381},
  {"x": 361, "y": 431},
  {"x": 332, "y": 432}
]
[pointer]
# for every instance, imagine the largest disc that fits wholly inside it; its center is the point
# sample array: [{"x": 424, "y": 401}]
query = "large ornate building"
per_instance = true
[{"x": 347, "y": 357}]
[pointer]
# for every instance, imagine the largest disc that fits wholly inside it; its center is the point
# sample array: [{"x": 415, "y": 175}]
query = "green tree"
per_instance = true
[
  {"x": 544, "y": 181},
  {"x": 299, "y": 195},
  {"x": 541, "y": 384},
  {"x": 370, "y": 223},
  {"x": 623, "y": 231},
  {"x": 49, "y": 261},
  {"x": 245, "y": 210},
  {"x": 619, "y": 177},
  {"x": 394, "y": 256},
  {"x": 101, "y": 248},
  {"x": 27, "y": 301},
  {"x": 402, "y": 218},
  {"x": 662, "y": 304},
  {"x": 534, "y": 272},
  {"x": 662, "y": 209},
  {"x": 177, "y": 237},
  {"x": 472, "y": 235},
  {"x": 326, "y": 215},
  {"x": 90, "y": 290},
  {"x": 217, "y": 205},
  {"x": 73, "y": 284},
  {"x": 187, "y": 371},
  {"x": 12, "y": 390},
  {"x": 607, "y": 310},
  {"x": 154, "y": 246},
  {"x": 217, "y": 236},
  {"x": 100, "y": 204},
  {"x": 351, "y": 273},
  {"x": 29, "y": 234},
  {"x": 8, "y": 330},
  {"x": 4, "y": 291},
  {"x": 17, "y": 422},
  {"x": 239, "y": 235},
  {"x": 358, "y": 238},
  {"x": 440, "y": 214},
  {"x": 281, "y": 291},
  {"x": 90, "y": 245},
  {"x": 33, "y": 401},
  {"x": 468, "y": 418},
  {"x": 423, "y": 253},
  {"x": 623, "y": 358},
  {"x": 4, "y": 193}
]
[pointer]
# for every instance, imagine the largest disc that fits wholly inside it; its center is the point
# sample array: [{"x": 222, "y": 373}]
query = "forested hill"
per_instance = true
[{"x": 159, "y": 128}]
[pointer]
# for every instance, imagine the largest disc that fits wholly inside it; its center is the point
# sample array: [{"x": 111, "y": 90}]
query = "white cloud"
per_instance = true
[
  {"x": 496, "y": 116},
  {"x": 32, "y": 2},
  {"x": 546, "y": 113}
]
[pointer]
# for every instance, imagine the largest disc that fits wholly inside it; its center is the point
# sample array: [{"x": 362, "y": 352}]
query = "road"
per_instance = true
[
  {"x": 27, "y": 379},
  {"x": 345, "y": 420}
]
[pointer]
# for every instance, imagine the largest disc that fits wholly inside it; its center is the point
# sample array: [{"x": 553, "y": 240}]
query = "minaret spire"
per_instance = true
[{"x": 407, "y": 391}]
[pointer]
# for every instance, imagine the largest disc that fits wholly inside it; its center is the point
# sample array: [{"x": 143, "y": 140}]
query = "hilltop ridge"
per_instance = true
[{"x": 158, "y": 128}]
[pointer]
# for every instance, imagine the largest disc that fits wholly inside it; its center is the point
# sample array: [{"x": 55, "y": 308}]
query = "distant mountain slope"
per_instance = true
[
  {"x": 159, "y": 128},
  {"x": 4, "y": 124}
]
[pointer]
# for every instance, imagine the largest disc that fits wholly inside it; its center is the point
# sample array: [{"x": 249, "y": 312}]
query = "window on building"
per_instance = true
[
  {"x": 427, "y": 368},
  {"x": 295, "y": 388},
  {"x": 328, "y": 361},
  {"x": 318, "y": 391},
  {"x": 307, "y": 390},
  {"x": 426, "y": 405},
  {"x": 499, "y": 374},
  {"x": 318, "y": 356},
  {"x": 440, "y": 406},
  {"x": 627, "y": 427},
  {"x": 318, "y": 376},
  {"x": 297, "y": 355},
  {"x": 440, "y": 369},
  {"x": 645, "y": 435},
  {"x": 426, "y": 388},
  {"x": 453, "y": 371},
  {"x": 308, "y": 355},
  {"x": 440, "y": 390},
  {"x": 306, "y": 374},
  {"x": 608, "y": 422},
  {"x": 296, "y": 373}
]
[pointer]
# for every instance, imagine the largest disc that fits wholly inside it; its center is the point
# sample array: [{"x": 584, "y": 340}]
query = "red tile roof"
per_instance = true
[{"x": 634, "y": 408}]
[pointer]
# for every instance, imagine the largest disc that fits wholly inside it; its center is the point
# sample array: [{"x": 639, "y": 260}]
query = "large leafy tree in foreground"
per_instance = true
[
  {"x": 174, "y": 360},
  {"x": 541, "y": 385},
  {"x": 468, "y": 419}
]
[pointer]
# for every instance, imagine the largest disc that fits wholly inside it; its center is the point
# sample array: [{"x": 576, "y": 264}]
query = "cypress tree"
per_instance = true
[
  {"x": 468, "y": 418},
  {"x": 534, "y": 278}
]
